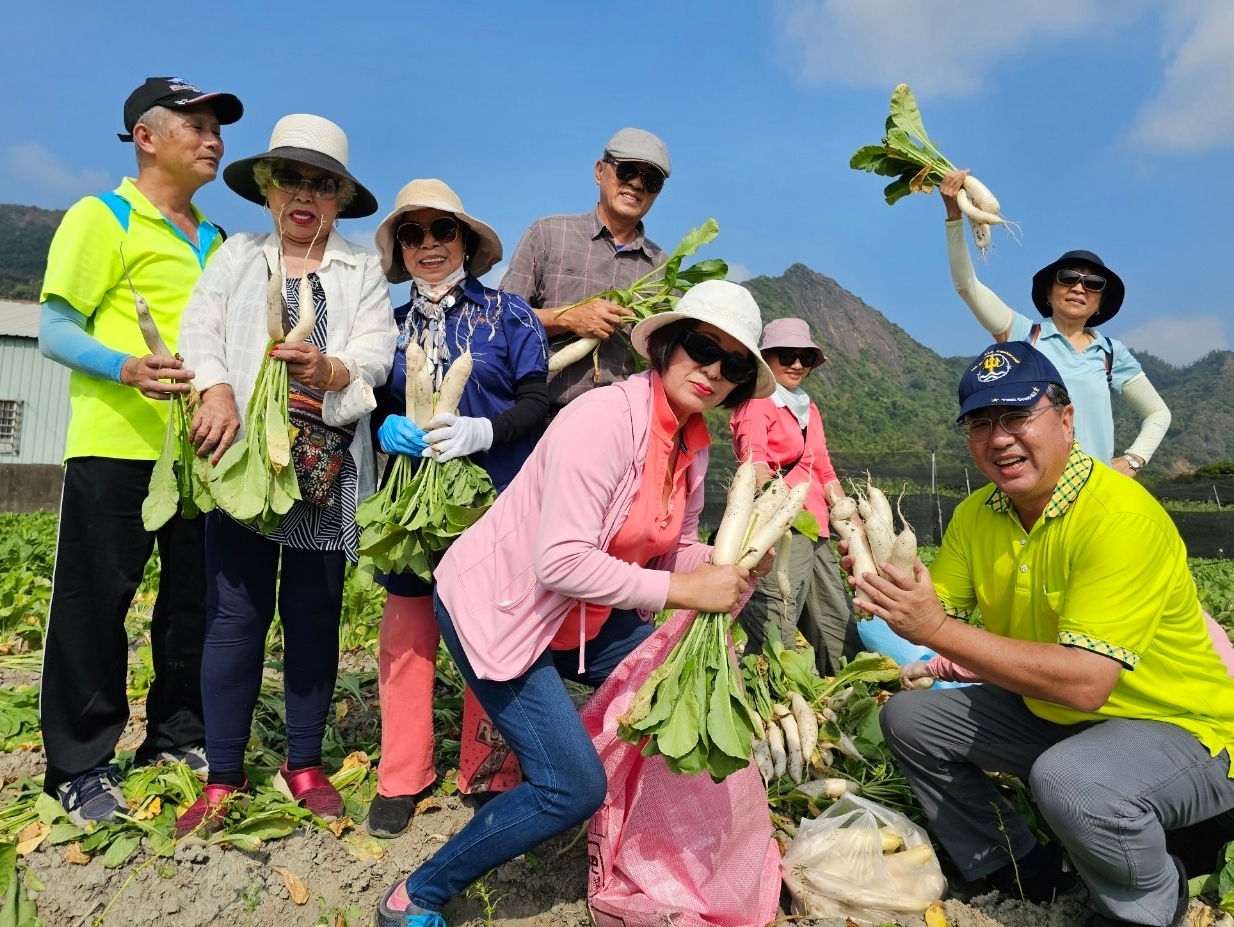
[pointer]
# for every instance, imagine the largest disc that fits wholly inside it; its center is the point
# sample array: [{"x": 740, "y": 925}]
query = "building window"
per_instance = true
[{"x": 10, "y": 426}]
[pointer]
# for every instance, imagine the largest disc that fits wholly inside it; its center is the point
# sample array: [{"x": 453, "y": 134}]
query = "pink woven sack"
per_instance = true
[{"x": 667, "y": 848}]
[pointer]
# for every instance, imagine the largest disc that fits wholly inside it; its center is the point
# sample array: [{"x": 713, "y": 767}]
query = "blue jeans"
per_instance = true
[{"x": 563, "y": 780}]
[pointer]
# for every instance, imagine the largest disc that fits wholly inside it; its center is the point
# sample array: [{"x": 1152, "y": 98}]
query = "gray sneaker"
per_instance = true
[
  {"x": 194, "y": 757},
  {"x": 93, "y": 796}
]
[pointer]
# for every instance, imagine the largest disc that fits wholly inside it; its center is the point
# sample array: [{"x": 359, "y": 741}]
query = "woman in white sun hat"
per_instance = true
[
  {"x": 304, "y": 181},
  {"x": 559, "y": 579},
  {"x": 430, "y": 239}
]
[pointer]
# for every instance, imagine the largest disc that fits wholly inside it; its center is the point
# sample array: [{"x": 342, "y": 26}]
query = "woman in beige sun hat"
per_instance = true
[
  {"x": 430, "y": 239},
  {"x": 306, "y": 184}
]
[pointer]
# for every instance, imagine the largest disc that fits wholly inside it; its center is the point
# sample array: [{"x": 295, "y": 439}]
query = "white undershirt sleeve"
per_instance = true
[{"x": 994, "y": 315}]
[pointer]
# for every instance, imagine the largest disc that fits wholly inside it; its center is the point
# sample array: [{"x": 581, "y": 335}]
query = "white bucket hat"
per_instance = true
[
  {"x": 728, "y": 307},
  {"x": 305, "y": 139},
  {"x": 434, "y": 194}
]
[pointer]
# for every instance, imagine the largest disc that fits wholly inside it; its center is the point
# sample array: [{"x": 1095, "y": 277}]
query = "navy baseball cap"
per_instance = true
[
  {"x": 174, "y": 92},
  {"x": 1014, "y": 375}
]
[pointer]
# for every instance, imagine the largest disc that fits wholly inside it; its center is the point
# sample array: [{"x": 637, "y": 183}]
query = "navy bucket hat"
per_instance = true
[{"x": 1111, "y": 296}]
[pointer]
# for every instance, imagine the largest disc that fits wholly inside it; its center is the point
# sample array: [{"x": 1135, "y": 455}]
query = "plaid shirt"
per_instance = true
[{"x": 563, "y": 260}]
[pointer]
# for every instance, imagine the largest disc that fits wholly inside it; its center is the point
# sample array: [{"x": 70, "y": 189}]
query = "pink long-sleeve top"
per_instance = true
[
  {"x": 769, "y": 431},
  {"x": 510, "y": 579}
]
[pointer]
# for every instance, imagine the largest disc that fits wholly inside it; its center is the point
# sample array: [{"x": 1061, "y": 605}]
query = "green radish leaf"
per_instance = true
[
  {"x": 805, "y": 523},
  {"x": 897, "y": 189},
  {"x": 905, "y": 114},
  {"x": 120, "y": 850}
]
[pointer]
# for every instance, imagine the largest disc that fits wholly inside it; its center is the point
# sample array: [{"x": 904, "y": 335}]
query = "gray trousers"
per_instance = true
[
  {"x": 1108, "y": 789},
  {"x": 818, "y": 607}
]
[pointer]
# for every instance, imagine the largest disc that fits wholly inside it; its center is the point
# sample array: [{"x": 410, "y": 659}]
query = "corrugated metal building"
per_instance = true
[{"x": 34, "y": 391}]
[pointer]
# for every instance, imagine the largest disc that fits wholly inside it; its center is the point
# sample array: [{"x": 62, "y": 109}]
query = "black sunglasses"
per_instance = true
[
  {"x": 411, "y": 234},
  {"x": 734, "y": 367},
  {"x": 1092, "y": 282},
  {"x": 789, "y": 356},
  {"x": 626, "y": 171},
  {"x": 289, "y": 181}
]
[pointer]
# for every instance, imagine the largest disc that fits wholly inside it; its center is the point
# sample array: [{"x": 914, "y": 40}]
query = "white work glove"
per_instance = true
[
  {"x": 451, "y": 436},
  {"x": 916, "y": 675}
]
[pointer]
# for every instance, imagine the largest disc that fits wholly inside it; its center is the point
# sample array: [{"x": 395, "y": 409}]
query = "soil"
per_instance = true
[{"x": 345, "y": 877}]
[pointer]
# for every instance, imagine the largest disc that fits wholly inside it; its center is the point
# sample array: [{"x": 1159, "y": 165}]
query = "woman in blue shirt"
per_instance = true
[
  {"x": 429, "y": 239},
  {"x": 1075, "y": 294}
]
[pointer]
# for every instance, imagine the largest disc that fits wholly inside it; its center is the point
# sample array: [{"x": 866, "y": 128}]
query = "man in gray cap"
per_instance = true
[
  {"x": 562, "y": 260},
  {"x": 143, "y": 238}
]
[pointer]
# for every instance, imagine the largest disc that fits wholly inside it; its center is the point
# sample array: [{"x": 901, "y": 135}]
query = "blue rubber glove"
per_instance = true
[{"x": 399, "y": 435}]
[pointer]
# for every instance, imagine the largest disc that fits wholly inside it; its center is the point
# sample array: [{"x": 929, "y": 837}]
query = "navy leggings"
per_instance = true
[{"x": 241, "y": 572}]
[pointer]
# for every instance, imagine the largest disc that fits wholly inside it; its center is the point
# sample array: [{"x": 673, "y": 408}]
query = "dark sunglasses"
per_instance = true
[
  {"x": 734, "y": 367},
  {"x": 324, "y": 188},
  {"x": 1092, "y": 282},
  {"x": 789, "y": 356},
  {"x": 411, "y": 234},
  {"x": 626, "y": 171}
]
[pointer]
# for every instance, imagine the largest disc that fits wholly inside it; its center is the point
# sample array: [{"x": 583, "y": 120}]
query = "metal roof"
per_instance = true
[{"x": 19, "y": 319}]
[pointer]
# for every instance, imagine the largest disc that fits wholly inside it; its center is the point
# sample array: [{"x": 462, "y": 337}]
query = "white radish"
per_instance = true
[
  {"x": 775, "y": 743},
  {"x": 879, "y": 502},
  {"x": 880, "y": 537},
  {"x": 807, "y": 726},
  {"x": 981, "y": 196},
  {"x": 769, "y": 533},
  {"x": 973, "y": 214},
  {"x": 921, "y": 682},
  {"x": 275, "y": 305},
  {"x": 145, "y": 321},
  {"x": 768, "y": 502},
  {"x": 904, "y": 549},
  {"x": 762, "y": 759},
  {"x": 846, "y": 746},
  {"x": 831, "y": 788},
  {"x": 736, "y": 519},
  {"x": 853, "y": 534},
  {"x": 306, "y": 316},
  {"x": 419, "y": 384},
  {"x": 571, "y": 353},
  {"x": 792, "y": 741},
  {"x": 981, "y": 236},
  {"x": 453, "y": 384}
]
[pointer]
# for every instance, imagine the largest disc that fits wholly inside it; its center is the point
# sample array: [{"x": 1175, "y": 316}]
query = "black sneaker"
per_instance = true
[
  {"x": 93, "y": 796},
  {"x": 390, "y": 817}
]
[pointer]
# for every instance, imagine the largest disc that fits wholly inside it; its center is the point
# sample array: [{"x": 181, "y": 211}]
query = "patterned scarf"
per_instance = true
[{"x": 431, "y": 303}]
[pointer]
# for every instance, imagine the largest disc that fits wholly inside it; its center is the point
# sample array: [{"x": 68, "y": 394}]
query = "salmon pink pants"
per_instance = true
[{"x": 407, "y": 664}]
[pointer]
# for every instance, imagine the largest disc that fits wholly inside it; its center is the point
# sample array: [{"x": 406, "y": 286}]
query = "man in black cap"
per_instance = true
[
  {"x": 562, "y": 260},
  {"x": 1100, "y": 686},
  {"x": 144, "y": 239}
]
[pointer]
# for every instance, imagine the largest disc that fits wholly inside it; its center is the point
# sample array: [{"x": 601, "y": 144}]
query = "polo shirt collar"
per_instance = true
[
  {"x": 137, "y": 200},
  {"x": 1075, "y": 474},
  {"x": 473, "y": 290},
  {"x": 694, "y": 434},
  {"x": 598, "y": 229}
]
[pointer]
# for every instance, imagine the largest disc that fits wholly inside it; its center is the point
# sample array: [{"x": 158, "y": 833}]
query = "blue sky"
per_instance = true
[{"x": 1100, "y": 124}]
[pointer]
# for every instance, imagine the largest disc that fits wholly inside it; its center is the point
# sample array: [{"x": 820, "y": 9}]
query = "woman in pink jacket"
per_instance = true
[{"x": 596, "y": 533}]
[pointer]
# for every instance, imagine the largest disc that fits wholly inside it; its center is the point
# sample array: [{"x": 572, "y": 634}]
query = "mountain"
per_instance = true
[
  {"x": 888, "y": 402},
  {"x": 25, "y": 236}
]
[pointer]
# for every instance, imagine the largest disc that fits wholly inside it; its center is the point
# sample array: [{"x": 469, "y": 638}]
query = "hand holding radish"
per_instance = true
[
  {"x": 906, "y": 601},
  {"x": 596, "y": 318},
  {"x": 451, "y": 436},
  {"x": 156, "y": 377},
  {"x": 916, "y": 675},
  {"x": 708, "y": 588},
  {"x": 216, "y": 422},
  {"x": 950, "y": 188},
  {"x": 306, "y": 364},
  {"x": 400, "y": 435}
]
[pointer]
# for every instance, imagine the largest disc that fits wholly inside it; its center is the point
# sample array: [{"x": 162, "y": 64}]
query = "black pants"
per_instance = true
[{"x": 101, "y": 553}]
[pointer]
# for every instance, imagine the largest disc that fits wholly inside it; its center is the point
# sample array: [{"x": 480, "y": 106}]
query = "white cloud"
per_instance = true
[
  {"x": 738, "y": 272},
  {"x": 943, "y": 47},
  {"x": 1194, "y": 109},
  {"x": 35, "y": 165},
  {"x": 1178, "y": 341}
]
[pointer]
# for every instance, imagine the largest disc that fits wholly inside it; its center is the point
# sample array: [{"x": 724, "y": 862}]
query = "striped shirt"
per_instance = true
[
  {"x": 319, "y": 527},
  {"x": 563, "y": 260}
]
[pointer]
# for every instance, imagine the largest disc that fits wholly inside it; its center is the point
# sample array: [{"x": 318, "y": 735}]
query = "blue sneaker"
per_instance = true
[
  {"x": 93, "y": 796},
  {"x": 384, "y": 917}
]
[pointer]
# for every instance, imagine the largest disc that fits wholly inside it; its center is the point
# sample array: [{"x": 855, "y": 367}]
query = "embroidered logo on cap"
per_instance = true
[{"x": 994, "y": 366}]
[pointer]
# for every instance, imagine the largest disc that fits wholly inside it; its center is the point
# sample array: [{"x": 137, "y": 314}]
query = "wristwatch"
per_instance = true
[{"x": 1133, "y": 462}]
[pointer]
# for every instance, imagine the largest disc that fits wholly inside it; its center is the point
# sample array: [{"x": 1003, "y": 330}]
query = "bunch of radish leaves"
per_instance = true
[
  {"x": 254, "y": 480},
  {"x": 424, "y": 505},
  {"x": 180, "y": 478},
  {"x": 906, "y": 152}
]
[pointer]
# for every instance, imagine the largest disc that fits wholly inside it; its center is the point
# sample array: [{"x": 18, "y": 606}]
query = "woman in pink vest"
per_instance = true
[{"x": 596, "y": 533}]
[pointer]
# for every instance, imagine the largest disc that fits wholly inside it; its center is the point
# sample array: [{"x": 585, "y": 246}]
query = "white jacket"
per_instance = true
[{"x": 223, "y": 333}]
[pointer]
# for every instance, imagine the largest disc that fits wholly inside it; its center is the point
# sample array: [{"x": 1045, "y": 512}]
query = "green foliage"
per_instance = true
[
  {"x": 905, "y": 152},
  {"x": 180, "y": 479},
  {"x": 25, "y": 236},
  {"x": 1214, "y": 579}
]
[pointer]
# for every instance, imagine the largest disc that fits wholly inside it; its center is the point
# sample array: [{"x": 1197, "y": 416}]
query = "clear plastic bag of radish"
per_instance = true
[{"x": 861, "y": 861}]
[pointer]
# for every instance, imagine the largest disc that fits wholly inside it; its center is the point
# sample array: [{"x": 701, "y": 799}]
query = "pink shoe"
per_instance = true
[
  {"x": 311, "y": 788},
  {"x": 206, "y": 815}
]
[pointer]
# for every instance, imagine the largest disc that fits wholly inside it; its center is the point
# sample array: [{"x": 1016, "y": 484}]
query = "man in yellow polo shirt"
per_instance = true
[
  {"x": 146, "y": 236},
  {"x": 1101, "y": 687}
]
